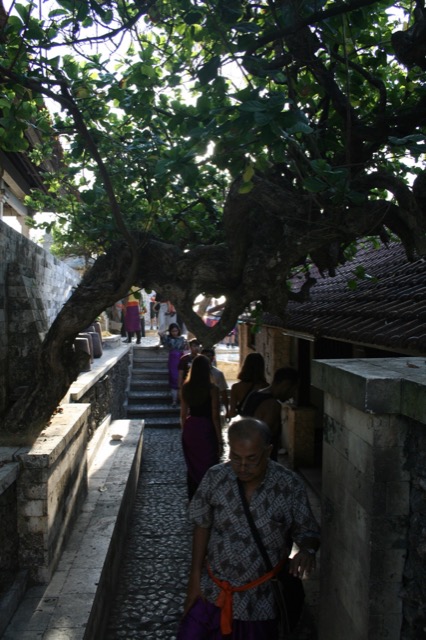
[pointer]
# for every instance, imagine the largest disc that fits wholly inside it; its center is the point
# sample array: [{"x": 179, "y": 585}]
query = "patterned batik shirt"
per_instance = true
[{"x": 279, "y": 507}]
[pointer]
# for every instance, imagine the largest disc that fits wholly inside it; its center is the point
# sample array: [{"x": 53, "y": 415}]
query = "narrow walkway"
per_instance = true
[{"x": 151, "y": 588}]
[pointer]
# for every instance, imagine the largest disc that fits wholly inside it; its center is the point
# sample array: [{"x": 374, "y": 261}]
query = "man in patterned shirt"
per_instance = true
[{"x": 221, "y": 600}]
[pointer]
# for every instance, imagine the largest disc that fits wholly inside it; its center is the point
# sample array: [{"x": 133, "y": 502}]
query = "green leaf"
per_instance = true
[
  {"x": 314, "y": 185},
  {"x": 246, "y": 187},
  {"x": 248, "y": 173},
  {"x": 352, "y": 285},
  {"x": 252, "y": 106},
  {"x": 23, "y": 11},
  {"x": 194, "y": 17},
  {"x": 209, "y": 71}
]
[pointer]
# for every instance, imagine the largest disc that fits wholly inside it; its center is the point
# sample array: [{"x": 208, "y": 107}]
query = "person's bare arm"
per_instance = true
[
  {"x": 200, "y": 540},
  {"x": 233, "y": 401},
  {"x": 214, "y": 394},
  {"x": 183, "y": 412},
  {"x": 270, "y": 412},
  {"x": 224, "y": 399},
  {"x": 180, "y": 381}
]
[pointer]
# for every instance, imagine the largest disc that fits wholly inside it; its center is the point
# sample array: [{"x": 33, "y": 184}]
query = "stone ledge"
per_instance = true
[
  {"x": 51, "y": 487},
  {"x": 75, "y": 602},
  {"x": 100, "y": 367},
  {"x": 374, "y": 385},
  {"x": 55, "y": 438}
]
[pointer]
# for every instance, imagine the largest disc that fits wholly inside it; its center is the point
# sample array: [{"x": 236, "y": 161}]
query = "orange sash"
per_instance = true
[{"x": 224, "y": 599}]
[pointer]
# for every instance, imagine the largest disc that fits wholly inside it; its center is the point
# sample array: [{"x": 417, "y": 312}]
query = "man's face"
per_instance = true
[{"x": 249, "y": 458}]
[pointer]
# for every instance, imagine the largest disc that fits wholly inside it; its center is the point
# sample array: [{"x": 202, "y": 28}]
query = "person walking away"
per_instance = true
[
  {"x": 200, "y": 422},
  {"x": 176, "y": 344},
  {"x": 251, "y": 377},
  {"x": 230, "y": 593},
  {"x": 266, "y": 403},
  {"x": 218, "y": 378},
  {"x": 131, "y": 310},
  {"x": 186, "y": 361}
]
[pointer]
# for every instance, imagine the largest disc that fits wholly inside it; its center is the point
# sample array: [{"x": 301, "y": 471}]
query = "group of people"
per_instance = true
[
  {"x": 133, "y": 310},
  {"x": 246, "y": 512},
  {"x": 229, "y": 594}
]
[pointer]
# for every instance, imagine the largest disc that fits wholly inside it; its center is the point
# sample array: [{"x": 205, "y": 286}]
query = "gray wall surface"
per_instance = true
[
  {"x": 373, "y": 573},
  {"x": 33, "y": 287}
]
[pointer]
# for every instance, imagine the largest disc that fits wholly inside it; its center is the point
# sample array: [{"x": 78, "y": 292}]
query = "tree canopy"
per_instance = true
[{"x": 214, "y": 147}]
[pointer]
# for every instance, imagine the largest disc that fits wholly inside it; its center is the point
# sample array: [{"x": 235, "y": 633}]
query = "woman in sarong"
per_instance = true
[
  {"x": 200, "y": 421},
  {"x": 176, "y": 344}
]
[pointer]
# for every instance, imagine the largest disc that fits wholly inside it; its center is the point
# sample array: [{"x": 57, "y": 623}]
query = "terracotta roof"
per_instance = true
[{"x": 386, "y": 309}]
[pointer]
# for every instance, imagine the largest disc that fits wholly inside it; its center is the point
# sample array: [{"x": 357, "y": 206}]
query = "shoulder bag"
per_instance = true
[{"x": 289, "y": 594}]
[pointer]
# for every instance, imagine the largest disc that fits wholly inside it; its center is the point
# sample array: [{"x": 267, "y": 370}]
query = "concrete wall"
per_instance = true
[
  {"x": 373, "y": 575},
  {"x": 33, "y": 287}
]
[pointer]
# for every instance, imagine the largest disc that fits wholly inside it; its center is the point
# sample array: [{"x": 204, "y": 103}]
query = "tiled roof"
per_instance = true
[{"x": 386, "y": 309}]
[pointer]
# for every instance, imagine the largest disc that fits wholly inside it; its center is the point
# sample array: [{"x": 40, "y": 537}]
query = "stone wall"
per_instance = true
[
  {"x": 374, "y": 496},
  {"x": 33, "y": 287},
  {"x": 52, "y": 486},
  {"x": 108, "y": 396},
  {"x": 414, "y": 580},
  {"x": 8, "y": 538},
  {"x": 40, "y": 494}
]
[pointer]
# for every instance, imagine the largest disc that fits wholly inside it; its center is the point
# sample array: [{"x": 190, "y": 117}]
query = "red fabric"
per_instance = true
[{"x": 224, "y": 600}]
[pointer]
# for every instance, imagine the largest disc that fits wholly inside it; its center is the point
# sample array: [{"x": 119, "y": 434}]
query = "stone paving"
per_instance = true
[{"x": 151, "y": 588}]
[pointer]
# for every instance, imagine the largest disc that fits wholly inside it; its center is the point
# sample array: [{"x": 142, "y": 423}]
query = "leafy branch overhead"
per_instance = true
[{"x": 219, "y": 145}]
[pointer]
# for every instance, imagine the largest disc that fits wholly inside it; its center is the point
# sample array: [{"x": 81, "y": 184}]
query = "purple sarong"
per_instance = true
[
  {"x": 132, "y": 320},
  {"x": 202, "y": 622},
  {"x": 174, "y": 357},
  {"x": 200, "y": 446}
]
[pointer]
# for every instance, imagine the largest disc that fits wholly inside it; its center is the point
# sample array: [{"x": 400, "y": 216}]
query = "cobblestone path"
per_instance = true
[
  {"x": 152, "y": 584},
  {"x": 151, "y": 588}
]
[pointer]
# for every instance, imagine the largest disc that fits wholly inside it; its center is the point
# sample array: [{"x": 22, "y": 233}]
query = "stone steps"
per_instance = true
[
  {"x": 153, "y": 396},
  {"x": 150, "y": 374},
  {"x": 139, "y": 384},
  {"x": 149, "y": 397}
]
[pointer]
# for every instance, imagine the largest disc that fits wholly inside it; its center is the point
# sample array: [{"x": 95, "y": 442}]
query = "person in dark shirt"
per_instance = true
[{"x": 266, "y": 403}]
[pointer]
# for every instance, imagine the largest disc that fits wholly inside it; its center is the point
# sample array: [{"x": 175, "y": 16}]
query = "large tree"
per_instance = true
[{"x": 214, "y": 147}]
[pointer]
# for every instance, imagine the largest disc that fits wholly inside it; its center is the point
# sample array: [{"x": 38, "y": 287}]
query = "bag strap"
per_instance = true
[
  {"x": 254, "y": 530},
  {"x": 243, "y": 401},
  {"x": 283, "y": 626}
]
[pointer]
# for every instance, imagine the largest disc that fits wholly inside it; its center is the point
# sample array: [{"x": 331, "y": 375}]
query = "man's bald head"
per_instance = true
[{"x": 249, "y": 429}]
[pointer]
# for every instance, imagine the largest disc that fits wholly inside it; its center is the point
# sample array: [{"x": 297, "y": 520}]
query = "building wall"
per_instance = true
[
  {"x": 276, "y": 348},
  {"x": 373, "y": 573},
  {"x": 33, "y": 287}
]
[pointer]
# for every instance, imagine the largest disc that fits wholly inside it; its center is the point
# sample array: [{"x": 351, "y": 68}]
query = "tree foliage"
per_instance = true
[{"x": 224, "y": 143}]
